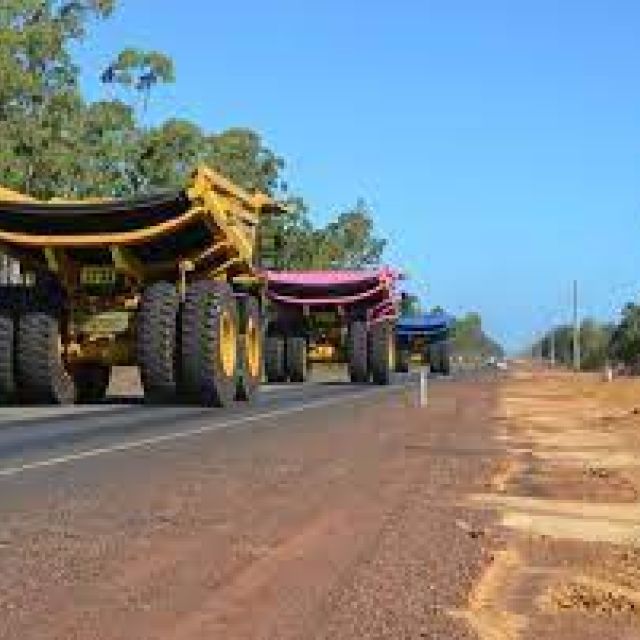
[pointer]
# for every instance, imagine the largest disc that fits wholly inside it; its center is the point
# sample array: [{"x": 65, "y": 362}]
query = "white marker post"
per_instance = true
[{"x": 424, "y": 386}]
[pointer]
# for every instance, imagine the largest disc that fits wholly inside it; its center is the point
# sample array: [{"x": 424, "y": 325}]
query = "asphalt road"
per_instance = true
[
  {"x": 33, "y": 438},
  {"x": 323, "y": 510}
]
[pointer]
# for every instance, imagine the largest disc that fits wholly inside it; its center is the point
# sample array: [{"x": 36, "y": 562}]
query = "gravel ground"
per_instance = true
[
  {"x": 567, "y": 495},
  {"x": 346, "y": 522}
]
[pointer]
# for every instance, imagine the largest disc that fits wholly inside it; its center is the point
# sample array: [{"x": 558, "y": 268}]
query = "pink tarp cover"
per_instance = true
[
  {"x": 327, "y": 278},
  {"x": 381, "y": 296}
]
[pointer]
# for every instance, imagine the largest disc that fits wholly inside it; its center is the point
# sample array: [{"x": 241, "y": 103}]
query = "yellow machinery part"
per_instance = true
[
  {"x": 228, "y": 343},
  {"x": 115, "y": 351},
  {"x": 253, "y": 348},
  {"x": 14, "y": 196},
  {"x": 322, "y": 352}
]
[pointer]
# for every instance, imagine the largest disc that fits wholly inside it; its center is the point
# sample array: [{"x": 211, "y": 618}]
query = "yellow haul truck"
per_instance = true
[{"x": 166, "y": 282}]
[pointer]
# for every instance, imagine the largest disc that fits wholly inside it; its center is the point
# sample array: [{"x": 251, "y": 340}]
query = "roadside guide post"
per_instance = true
[{"x": 424, "y": 386}]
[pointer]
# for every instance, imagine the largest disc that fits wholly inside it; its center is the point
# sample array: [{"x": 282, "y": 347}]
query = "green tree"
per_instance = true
[
  {"x": 595, "y": 344},
  {"x": 111, "y": 141},
  {"x": 349, "y": 242},
  {"x": 410, "y": 304},
  {"x": 293, "y": 234},
  {"x": 241, "y": 155},
  {"x": 469, "y": 338},
  {"x": 40, "y": 105},
  {"x": 168, "y": 153},
  {"x": 560, "y": 340},
  {"x": 625, "y": 341},
  {"x": 138, "y": 70},
  {"x": 51, "y": 142}
]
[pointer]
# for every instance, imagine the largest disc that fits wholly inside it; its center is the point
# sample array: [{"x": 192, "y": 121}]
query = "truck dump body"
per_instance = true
[
  {"x": 210, "y": 221},
  {"x": 371, "y": 291},
  {"x": 78, "y": 221},
  {"x": 157, "y": 230},
  {"x": 428, "y": 324}
]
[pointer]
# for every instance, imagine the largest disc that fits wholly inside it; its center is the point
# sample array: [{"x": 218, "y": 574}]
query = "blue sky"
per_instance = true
[{"x": 498, "y": 141}]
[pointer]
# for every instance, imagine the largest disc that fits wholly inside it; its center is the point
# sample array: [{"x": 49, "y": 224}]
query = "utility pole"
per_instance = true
[{"x": 576, "y": 329}]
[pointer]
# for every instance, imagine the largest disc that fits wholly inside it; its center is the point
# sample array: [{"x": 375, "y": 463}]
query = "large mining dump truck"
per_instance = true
[
  {"x": 426, "y": 337},
  {"x": 331, "y": 316},
  {"x": 165, "y": 282}
]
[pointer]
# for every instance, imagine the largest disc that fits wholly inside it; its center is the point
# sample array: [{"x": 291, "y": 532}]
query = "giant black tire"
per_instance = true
[
  {"x": 435, "y": 357},
  {"x": 209, "y": 345},
  {"x": 157, "y": 342},
  {"x": 40, "y": 369},
  {"x": 92, "y": 381},
  {"x": 445, "y": 358},
  {"x": 296, "y": 358},
  {"x": 250, "y": 345},
  {"x": 425, "y": 356},
  {"x": 382, "y": 352},
  {"x": 358, "y": 352},
  {"x": 7, "y": 356},
  {"x": 403, "y": 357},
  {"x": 274, "y": 359},
  {"x": 441, "y": 358},
  {"x": 11, "y": 303}
]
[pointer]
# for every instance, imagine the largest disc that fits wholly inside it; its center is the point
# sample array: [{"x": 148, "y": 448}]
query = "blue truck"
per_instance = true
[{"x": 427, "y": 336}]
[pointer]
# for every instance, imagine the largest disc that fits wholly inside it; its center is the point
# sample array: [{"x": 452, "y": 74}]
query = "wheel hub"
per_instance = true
[
  {"x": 228, "y": 344},
  {"x": 253, "y": 348}
]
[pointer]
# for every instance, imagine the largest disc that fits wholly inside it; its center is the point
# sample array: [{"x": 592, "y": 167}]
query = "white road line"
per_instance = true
[{"x": 168, "y": 437}]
